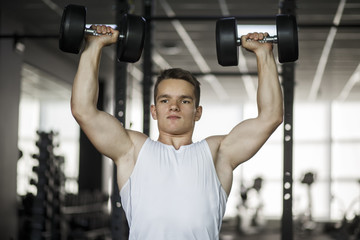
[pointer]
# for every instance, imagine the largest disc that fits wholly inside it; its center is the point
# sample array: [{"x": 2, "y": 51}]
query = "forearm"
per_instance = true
[
  {"x": 85, "y": 87},
  {"x": 269, "y": 95}
]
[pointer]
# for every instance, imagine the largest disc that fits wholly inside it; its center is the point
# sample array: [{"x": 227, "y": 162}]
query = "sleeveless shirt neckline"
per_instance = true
[{"x": 182, "y": 147}]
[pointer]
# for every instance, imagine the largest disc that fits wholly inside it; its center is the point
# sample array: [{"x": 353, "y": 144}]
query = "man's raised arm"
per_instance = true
[
  {"x": 248, "y": 136},
  {"x": 103, "y": 130}
]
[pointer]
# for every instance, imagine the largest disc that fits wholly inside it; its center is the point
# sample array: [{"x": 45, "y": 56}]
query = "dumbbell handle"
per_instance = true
[
  {"x": 270, "y": 39},
  {"x": 95, "y": 33}
]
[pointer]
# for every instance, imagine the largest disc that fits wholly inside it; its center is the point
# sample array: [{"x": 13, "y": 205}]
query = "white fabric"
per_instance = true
[{"x": 174, "y": 194}]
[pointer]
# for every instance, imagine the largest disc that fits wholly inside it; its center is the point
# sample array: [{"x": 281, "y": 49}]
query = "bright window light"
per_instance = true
[{"x": 245, "y": 29}]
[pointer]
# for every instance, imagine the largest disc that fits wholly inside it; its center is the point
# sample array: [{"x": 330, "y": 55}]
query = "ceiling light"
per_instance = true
[{"x": 169, "y": 48}]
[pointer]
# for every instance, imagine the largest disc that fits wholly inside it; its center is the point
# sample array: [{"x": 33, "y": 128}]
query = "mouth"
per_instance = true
[{"x": 173, "y": 117}]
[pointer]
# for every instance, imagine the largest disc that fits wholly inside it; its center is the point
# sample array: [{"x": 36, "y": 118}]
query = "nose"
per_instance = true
[{"x": 174, "y": 106}]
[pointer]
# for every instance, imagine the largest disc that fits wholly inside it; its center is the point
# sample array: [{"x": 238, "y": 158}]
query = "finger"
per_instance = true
[
  {"x": 98, "y": 29},
  {"x": 244, "y": 37},
  {"x": 249, "y": 36},
  {"x": 108, "y": 30},
  {"x": 261, "y": 36},
  {"x": 103, "y": 29}
]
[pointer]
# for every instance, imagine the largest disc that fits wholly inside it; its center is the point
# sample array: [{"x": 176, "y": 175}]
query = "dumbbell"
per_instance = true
[
  {"x": 73, "y": 29},
  {"x": 227, "y": 40}
]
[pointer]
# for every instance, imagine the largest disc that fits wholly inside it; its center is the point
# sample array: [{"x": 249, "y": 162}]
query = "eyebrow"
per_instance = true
[{"x": 168, "y": 96}]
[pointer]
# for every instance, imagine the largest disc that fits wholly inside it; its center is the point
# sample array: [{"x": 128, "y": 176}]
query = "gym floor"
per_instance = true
[{"x": 271, "y": 232}]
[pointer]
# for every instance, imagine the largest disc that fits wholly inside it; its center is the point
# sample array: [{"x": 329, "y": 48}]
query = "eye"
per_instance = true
[
  {"x": 164, "y": 101},
  {"x": 185, "y": 101}
]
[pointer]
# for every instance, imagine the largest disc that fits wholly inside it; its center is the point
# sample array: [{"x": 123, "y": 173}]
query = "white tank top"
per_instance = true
[{"x": 174, "y": 194}]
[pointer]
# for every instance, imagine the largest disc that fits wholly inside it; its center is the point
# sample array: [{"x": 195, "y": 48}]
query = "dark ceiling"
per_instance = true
[{"x": 329, "y": 34}]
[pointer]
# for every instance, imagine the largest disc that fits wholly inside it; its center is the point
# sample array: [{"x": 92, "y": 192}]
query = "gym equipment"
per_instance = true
[
  {"x": 227, "y": 40},
  {"x": 348, "y": 228},
  {"x": 42, "y": 216},
  {"x": 72, "y": 32},
  {"x": 250, "y": 216},
  {"x": 86, "y": 215},
  {"x": 305, "y": 223}
]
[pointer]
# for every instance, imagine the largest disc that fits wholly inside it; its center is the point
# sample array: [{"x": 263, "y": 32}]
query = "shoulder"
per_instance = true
[
  {"x": 136, "y": 142},
  {"x": 137, "y": 138}
]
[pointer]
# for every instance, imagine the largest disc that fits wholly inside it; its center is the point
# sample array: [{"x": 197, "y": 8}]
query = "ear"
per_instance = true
[
  {"x": 198, "y": 113},
  {"x": 153, "y": 111}
]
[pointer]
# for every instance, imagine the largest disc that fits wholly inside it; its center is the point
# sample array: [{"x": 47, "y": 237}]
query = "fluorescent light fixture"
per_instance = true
[
  {"x": 354, "y": 79},
  {"x": 245, "y": 29},
  {"x": 224, "y": 8},
  {"x": 322, "y": 64},
  {"x": 53, "y": 6},
  {"x": 325, "y": 53},
  {"x": 160, "y": 61}
]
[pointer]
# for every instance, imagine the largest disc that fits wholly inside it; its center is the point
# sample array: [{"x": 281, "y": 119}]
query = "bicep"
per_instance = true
[{"x": 245, "y": 140}]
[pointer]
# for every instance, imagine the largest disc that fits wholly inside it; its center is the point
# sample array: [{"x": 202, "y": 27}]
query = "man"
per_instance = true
[{"x": 173, "y": 188}]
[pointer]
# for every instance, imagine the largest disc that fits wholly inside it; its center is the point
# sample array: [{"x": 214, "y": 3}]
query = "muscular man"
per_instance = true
[{"x": 173, "y": 188}]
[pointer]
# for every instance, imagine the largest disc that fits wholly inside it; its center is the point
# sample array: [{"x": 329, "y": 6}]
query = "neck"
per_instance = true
[{"x": 177, "y": 141}]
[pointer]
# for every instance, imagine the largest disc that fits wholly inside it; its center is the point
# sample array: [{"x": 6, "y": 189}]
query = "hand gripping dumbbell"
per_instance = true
[
  {"x": 227, "y": 40},
  {"x": 131, "y": 29}
]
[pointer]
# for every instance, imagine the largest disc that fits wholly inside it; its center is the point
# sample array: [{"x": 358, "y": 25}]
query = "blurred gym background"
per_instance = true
[{"x": 54, "y": 185}]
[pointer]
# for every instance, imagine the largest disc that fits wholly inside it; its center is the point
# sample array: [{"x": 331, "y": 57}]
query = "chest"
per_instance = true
[
  {"x": 182, "y": 193},
  {"x": 175, "y": 173}
]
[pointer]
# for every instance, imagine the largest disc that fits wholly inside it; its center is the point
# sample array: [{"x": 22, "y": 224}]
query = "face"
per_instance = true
[{"x": 175, "y": 108}]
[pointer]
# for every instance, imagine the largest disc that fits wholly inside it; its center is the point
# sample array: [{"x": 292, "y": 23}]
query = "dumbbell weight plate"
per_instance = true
[
  {"x": 287, "y": 37},
  {"x": 72, "y": 28},
  {"x": 226, "y": 46},
  {"x": 131, "y": 45}
]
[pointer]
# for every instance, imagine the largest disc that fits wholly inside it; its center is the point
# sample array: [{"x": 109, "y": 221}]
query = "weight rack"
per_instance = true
[
  {"x": 87, "y": 215},
  {"x": 41, "y": 213}
]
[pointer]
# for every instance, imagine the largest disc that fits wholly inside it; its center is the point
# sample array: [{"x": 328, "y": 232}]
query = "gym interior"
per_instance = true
[{"x": 304, "y": 183}]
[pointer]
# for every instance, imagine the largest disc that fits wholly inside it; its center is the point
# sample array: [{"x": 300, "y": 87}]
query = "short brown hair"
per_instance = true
[{"x": 179, "y": 73}]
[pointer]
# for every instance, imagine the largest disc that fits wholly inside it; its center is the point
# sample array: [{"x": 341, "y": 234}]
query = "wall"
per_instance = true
[{"x": 10, "y": 66}]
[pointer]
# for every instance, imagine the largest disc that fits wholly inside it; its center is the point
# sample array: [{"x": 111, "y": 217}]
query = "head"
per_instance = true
[
  {"x": 178, "y": 73},
  {"x": 176, "y": 102}
]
